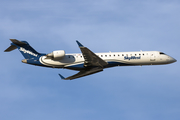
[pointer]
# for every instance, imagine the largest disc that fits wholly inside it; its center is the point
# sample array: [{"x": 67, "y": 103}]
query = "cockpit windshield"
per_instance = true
[{"x": 161, "y": 53}]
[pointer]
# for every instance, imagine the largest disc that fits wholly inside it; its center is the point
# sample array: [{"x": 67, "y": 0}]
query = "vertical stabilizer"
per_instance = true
[{"x": 27, "y": 51}]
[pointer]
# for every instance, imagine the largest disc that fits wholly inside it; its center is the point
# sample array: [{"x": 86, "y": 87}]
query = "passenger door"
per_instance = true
[{"x": 152, "y": 57}]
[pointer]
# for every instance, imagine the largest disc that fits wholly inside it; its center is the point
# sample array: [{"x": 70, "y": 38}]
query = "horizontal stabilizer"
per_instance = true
[
  {"x": 11, "y": 48},
  {"x": 18, "y": 42},
  {"x": 82, "y": 73}
]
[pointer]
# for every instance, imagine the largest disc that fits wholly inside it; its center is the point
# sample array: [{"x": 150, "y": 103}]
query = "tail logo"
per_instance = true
[{"x": 28, "y": 52}]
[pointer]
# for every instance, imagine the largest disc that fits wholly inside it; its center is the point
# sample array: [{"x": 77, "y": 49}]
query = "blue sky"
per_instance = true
[{"x": 144, "y": 93}]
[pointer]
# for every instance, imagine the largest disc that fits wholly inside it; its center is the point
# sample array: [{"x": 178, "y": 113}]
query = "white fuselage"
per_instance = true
[
  {"x": 87, "y": 62},
  {"x": 76, "y": 61}
]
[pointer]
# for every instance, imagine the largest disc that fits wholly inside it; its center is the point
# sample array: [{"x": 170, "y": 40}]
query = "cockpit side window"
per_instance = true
[{"x": 161, "y": 53}]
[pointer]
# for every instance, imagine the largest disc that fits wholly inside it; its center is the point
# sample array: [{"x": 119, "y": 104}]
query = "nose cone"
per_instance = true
[{"x": 173, "y": 60}]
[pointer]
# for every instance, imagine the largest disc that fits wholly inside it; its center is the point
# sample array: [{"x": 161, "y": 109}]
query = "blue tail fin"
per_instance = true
[{"x": 27, "y": 51}]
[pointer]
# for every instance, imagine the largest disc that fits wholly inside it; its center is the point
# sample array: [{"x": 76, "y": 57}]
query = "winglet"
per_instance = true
[
  {"x": 80, "y": 45},
  {"x": 61, "y": 77}
]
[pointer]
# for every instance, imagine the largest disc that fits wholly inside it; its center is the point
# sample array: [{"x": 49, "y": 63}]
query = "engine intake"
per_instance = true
[{"x": 56, "y": 55}]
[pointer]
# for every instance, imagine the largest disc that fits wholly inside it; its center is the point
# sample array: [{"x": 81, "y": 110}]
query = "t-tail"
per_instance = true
[{"x": 26, "y": 50}]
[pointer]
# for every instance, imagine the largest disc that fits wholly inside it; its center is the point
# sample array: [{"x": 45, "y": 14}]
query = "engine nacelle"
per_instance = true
[{"x": 56, "y": 55}]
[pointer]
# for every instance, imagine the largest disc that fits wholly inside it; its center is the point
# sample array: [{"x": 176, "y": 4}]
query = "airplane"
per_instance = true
[{"x": 87, "y": 62}]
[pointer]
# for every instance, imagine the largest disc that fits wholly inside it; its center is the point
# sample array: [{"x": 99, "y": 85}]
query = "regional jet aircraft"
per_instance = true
[{"x": 87, "y": 62}]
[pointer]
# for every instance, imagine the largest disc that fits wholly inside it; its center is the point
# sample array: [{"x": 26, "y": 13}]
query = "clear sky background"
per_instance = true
[{"x": 120, "y": 93}]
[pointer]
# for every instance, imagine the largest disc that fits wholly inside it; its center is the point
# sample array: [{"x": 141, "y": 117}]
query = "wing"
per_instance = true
[
  {"x": 90, "y": 58},
  {"x": 92, "y": 63},
  {"x": 83, "y": 73}
]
